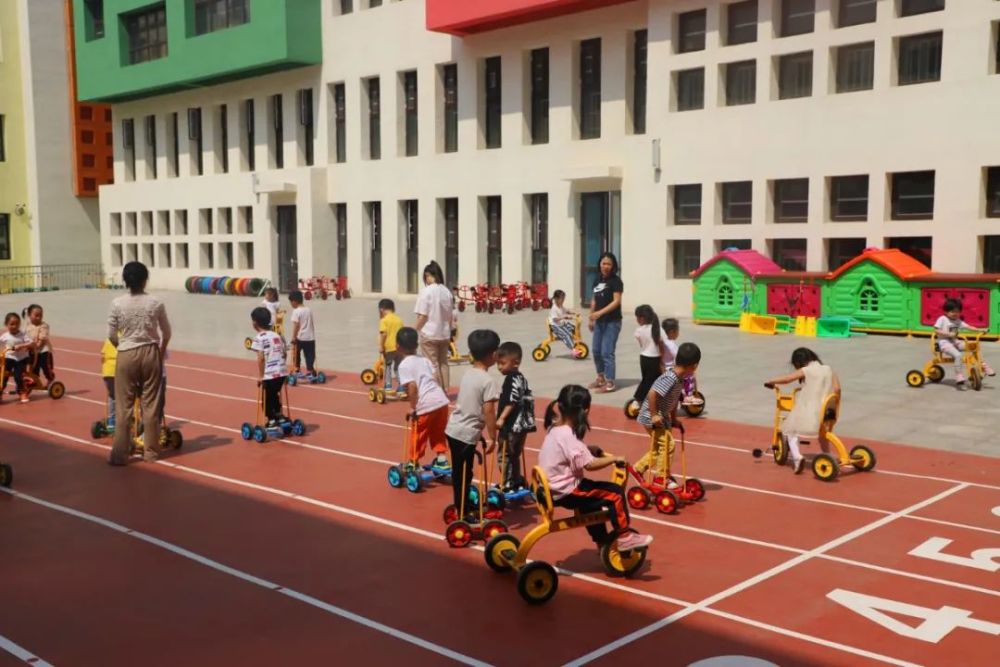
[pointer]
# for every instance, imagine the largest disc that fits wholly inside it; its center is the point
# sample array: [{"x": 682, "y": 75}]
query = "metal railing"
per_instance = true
[{"x": 44, "y": 278}]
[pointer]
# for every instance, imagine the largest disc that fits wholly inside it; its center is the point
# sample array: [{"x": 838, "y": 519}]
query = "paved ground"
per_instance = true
[{"x": 877, "y": 402}]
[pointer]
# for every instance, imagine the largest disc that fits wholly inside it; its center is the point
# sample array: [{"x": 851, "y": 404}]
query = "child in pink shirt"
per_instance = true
[{"x": 565, "y": 458}]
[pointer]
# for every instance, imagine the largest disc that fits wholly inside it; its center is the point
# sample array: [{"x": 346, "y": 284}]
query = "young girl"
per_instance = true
[
  {"x": 647, "y": 334},
  {"x": 672, "y": 331},
  {"x": 564, "y": 459},
  {"x": 561, "y": 321},
  {"x": 818, "y": 381},
  {"x": 17, "y": 347},
  {"x": 38, "y": 331}
]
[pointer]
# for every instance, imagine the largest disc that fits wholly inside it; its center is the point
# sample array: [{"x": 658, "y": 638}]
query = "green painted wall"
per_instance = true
[
  {"x": 281, "y": 34},
  {"x": 711, "y": 302},
  {"x": 895, "y": 299}
]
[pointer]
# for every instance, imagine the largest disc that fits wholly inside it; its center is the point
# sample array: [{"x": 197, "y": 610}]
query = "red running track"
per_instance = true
[{"x": 298, "y": 551}]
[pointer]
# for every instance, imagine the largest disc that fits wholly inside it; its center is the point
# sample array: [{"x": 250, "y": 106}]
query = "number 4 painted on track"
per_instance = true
[
  {"x": 981, "y": 559},
  {"x": 937, "y": 623}
]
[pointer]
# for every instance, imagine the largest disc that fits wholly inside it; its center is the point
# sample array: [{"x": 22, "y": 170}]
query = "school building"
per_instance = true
[{"x": 518, "y": 139}]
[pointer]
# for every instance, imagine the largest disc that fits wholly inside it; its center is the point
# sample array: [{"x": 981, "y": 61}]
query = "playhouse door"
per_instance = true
[
  {"x": 975, "y": 305},
  {"x": 793, "y": 300}
]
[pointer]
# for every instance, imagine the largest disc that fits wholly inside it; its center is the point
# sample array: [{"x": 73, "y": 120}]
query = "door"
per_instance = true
[
  {"x": 288, "y": 251},
  {"x": 600, "y": 232},
  {"x": 411, "y": 235},
  {"x": 376, "y": 246}
]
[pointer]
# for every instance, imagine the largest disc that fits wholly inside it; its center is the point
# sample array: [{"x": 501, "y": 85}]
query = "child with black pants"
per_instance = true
[
  {"x": 273, "y": 371},
  {"x": 303, "y": 334},
  {"x": 475, "y": 408},
  {"x": 515, "y": 414},
  {"x": 649, "y": 337},
  {"x": 17, "y": 353}
]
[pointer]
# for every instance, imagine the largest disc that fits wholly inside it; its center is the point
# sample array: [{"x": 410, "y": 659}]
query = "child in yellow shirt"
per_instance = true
[
  {"x": 109, "y": 360},
  {"x": 388, "y": 326}
]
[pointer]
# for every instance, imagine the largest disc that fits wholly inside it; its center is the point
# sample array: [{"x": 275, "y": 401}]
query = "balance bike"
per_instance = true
[
  {"x": 496, "y": 495},
  {"x": 654, "y": 488},
  {"x": 169, "y": 438},
  {"x": 261, "y": 429},
  {"x": 104, "y": 427},
  {"x": 484, "y": 523},
  {"x": 294, "y": 378},
  {"x": 411, "y": 473},
  {"x": 382, "y": 396}
]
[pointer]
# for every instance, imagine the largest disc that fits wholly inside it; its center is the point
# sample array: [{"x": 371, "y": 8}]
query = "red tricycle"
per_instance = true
[{"x": 658, "y": 487}]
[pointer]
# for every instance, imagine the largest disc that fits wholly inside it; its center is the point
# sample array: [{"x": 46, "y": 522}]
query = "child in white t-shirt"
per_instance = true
[
  {"x": 947, "y": 328},
  {"x": 17, "y": 348},
  {"x": 271, "y": 367},
  {"x": 650, "y": 339},
  {"x": 428, "y": 402},
  {"x": 303, "y": 334},
  {"x": 562, "y": 321}
]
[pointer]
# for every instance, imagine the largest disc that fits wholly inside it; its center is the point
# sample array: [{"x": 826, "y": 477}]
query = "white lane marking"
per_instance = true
[{"x": 21, "y": 653}]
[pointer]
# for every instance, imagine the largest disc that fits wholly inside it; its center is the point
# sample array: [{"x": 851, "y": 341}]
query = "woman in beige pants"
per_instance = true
[
  {"x": 435, "y": 310},
  {"x": 139, "y": 328}
]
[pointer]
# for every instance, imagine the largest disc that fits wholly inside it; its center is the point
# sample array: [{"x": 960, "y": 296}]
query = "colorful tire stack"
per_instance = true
[{"x": 224, "y": 285}]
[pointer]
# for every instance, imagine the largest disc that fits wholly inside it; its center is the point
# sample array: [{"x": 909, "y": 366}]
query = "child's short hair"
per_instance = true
[
  {"x": 558, "y": 294},
  {"x": 510, "y": 349},
  {"x": 387, "y": 304},
  {"x": 670, "y": 325},
  {"x": 406, "y": 339},
  {"x": 295, "y": 295},
  {"x": 268, "y": 291},
  {"x": 688, "y": 354},
  {"x": 952, "y": 304},
  {"x": 9, "y": 316},
  {"x": 261, "y": 316},
  {"x": 482, "y": 343},
  {"x": 803, "y": 356}
]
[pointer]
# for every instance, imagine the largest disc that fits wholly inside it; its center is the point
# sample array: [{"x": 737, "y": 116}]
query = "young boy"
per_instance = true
[
  {"x": 947, "y": 328},
  {"x": 271, "y": 368},
  {"x": 475, "y": 408},
  {"x": 389, "y": 325},
  {"x": 659, "y": 410},
  {"x": 515, "y": 414},
  {"x": 428, "y": 402},
  {"x": 672, "y": 330},
  {"x": 109, "y": 359},
  {"x": 303, "y": 334},
  {"x": 561, "y": 321},
  {"x": 274, "y": 307}
]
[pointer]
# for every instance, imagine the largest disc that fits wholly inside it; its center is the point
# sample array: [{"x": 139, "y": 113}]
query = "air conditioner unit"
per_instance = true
[
  {"x": 194, "y": 124},
  {"x": 306, "y": 107},
  {"x": 128, "y": 133}
]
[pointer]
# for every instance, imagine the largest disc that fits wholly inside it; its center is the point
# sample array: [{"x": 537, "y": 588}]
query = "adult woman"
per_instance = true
[
  {"x": 139, "y": 328},
  {"x": 606, "y": 321},
  {"x": 435, "y": 317}
]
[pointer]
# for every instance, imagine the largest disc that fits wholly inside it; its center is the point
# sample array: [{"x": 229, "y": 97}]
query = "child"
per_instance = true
[
  {"x": 947, "y": 328},
  {"x": 274, "y": 306},
  {"x": 303, "y": 334},
  {"x": 388, "y": 327},
  {"x": 109, "y": 359},
  {"x": 475, "y": 408},
  {"x": 818, "y": 382},
  {"x": 515, "y": 414},
  {"x": 17, "y": 354},
  {"x": 273, "y": 372},
  {"x": 651, "y": 352},
  {"x": 672, "y": 330},
  {"x": 562, "y": 321},
  {"x": 38, "y": 332},
  {"x": 564, "y": 459},
  {"x": 428, "y": 402},
  {"x": 659, "y": 411}
]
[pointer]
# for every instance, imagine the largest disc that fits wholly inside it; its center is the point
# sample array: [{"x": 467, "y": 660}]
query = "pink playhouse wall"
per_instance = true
[
  {"x": 793, "y": 299},
  {"x": 975, "y": 304}
]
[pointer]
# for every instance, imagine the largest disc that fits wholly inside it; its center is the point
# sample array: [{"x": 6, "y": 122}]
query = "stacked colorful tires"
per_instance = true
[{"x": 224, "y": 285}]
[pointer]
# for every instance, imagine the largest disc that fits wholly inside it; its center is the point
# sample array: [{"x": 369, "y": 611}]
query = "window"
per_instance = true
[
  {"x": 494, "y": 260},
  {"x": 150, "y": 124},
  {"x": 920, "y": 58},
  {"x": 340, "y": 122},
  {"x": 917, "y": 247},
  {"x": 640, "y": 48},
  {"x": 173, "y": 129},
  {"x": 94, "y": 17},
  {"x": 374, "y": 120},
  {"x": 451, "y": 241},
  {"x": 996, "y": 47},
  {"x": 224, "y": 138},
  {"x": 372, "y": 4},
  {"x": 791, "y": 200},
  {"x": 4, "y": 236},
  {"x": 687, "y": 204},
  {"x": 304, "y": 97},
  {"x": 340, "y": 213},
  {"x": 278, "y": 130},
  {"x": 128, "y": 147},
  {"x": 993, "y": 192},
  {"x": 411, "y": 237},
  {"x": 687, "y": 257},
  {"x": 737, "y": 202},
  {"x": 212, "y": 15},
  {"x": 491, "y": 117},
  {"x": 346, "y": 6},
  {"x": 725, "y": 295},
  {"x": 741, "y": 83},
  {"x": 540, "y": 96},
  {"x": 855, "y": 67},
  {"x": 795, "y": 75},
  {"x": 991, "y": 254},
  {"x": 848, "y": 198},
  {"x": 789, "y": 254},
  {"x": 251, "y": 141},
  {"x": 690, "y": 89},
  {"x": 868, "y": 296},
  {"x": 691, "y": 31},
  {"x": 3, "y": 141},
  {"x": 450, "y": 76},
  {"x": 195, "y": 139},
  {"x": 913, "y": 195},
  {"x": 797, "y": 17},
  {"x": 914, "y": 7},
  {"x": 841, "y": 251},
  {"x": 147, "y": 34},
  {"x": 741, "y": 21},
  {"x": 855, "y": 12},
  {"x": 590, "y": 89},
  {"x": 410, "y": 113},
  {"x": 539, "y": 206},
  {"x": 732, "y": 244}
]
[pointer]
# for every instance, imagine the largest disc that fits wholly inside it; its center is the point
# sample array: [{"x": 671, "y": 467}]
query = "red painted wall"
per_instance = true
[
  {"x": 465, "y": 17},
  {"x": 794, "y": 299},
  {"x": 975, "y": 304}
]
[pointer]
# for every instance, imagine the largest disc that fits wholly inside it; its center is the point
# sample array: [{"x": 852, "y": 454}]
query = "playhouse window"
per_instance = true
[
  {"x": 868, "y": 298},
  {"x": 726, "y": 295}
]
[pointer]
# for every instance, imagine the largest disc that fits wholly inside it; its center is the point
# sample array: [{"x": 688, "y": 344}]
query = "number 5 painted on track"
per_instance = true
[
  {"x": 937, "y": 624},
  {"x": 981, "y": 559}
]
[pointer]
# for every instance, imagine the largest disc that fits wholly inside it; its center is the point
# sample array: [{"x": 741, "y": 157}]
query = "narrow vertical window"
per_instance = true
[
  {"x": 410, "y": 112},
  {"x": 540, "y": 96},
  {"x": 251, "y": 139},
  {"x": 195, "y": 139},
  {"x": 224, "y": 138},
  {"x": 341, "y": 239},
  {"x": 450, "y": 75},
  {"x": 494, "y": 260},
  {"x": 151, "y": 145},
  {"x": 640, "y": 48},
  {"x": 451, "y": 241},
  {"x": 3, "y": 140},
  {"x": 492, "y": 115},
  {"x": 374, "y": 120},
  {"x": 278, "y": 127},
  {"x": 590, "y": 88},
  {"x": 539, "y": 237},
  {"x": 340, "y": 122},
  {"x": 305, "y": 100},
  {"x": 4, "y": 236},
  {"x": 175, "y": 144}
]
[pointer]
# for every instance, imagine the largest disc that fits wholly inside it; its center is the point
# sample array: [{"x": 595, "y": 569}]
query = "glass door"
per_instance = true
[{"x": 288, "y": 254}]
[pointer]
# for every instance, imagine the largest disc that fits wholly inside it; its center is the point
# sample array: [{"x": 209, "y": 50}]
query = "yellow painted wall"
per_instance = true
[{"x": 13, "y": 171}]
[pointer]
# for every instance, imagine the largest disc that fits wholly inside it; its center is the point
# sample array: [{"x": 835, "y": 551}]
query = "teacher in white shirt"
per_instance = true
[{"x": 435, "y": 315}]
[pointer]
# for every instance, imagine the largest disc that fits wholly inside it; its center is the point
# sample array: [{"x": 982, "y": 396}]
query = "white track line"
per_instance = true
[
  {"x": 251, "y": 579},
  {"x": 763, "y": 576},
  {"x": 21, "y": 653}
]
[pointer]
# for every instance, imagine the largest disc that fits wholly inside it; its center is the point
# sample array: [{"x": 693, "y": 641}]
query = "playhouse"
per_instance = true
[{"x": 879, "y": 291}]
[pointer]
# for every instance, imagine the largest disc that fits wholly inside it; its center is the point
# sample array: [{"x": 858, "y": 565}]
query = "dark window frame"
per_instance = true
[
  {"x": 492, "y": 102},
  {"x": 3, "y": 138},
  {"x": 304, "y": 101},
  {"x": 410, "y": 119},
  {"x": 841, "y": 201},
  {"x": 993, "y": 192},
  {"x": 901, "y": 194},
  {"x": 640, "y": 70},
  {"x": 920, "y": 248},
  {"x": 146, "y": 34},
  {"x": 539, "y": 78},
  {"x": 739, "y": 82},
  {"x": 738, "y": 23},
  {"x": 687, "y": 96},
  {"x": 856, "y": 12},
  {"x": 685, "y": 198},
  {"x": 917, "y": 7},
  {"x": 150, "y": 132},
  {"x": 840, "y": 251},
  {"x": 729, "y": 193},
  {"x": 791, "y": 205},
  {"x": 795, "y": 79},
  {"x": 5, "y": 249},
  {"x": 494, "y": 238},
  {"x": 919, "y": 58},
  {"x": 539, "y": 210},
  {"x": 691, "y": 31},
  {"x": 214, "y": 15},
  {"x": 340, "y": 122},
  {"x": 278, "y": 127},
  {"x": 684, "y": 260},
  {"x": 590, "y": 88},
  {"x": 798, "y": 17},
  {"x": 451, "y": 238},
  {"x": 780, "y": 249},
  {"x": 374, "y": 87},
  {"x": 250, "y": 133},
  {"x": 224, "y": 136},
  {"x": 855, "y": 67},
  {"x": 449, "y": 75},
  {"x": 94, "y": 17},
  {"x": 991, "y": 254}
]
